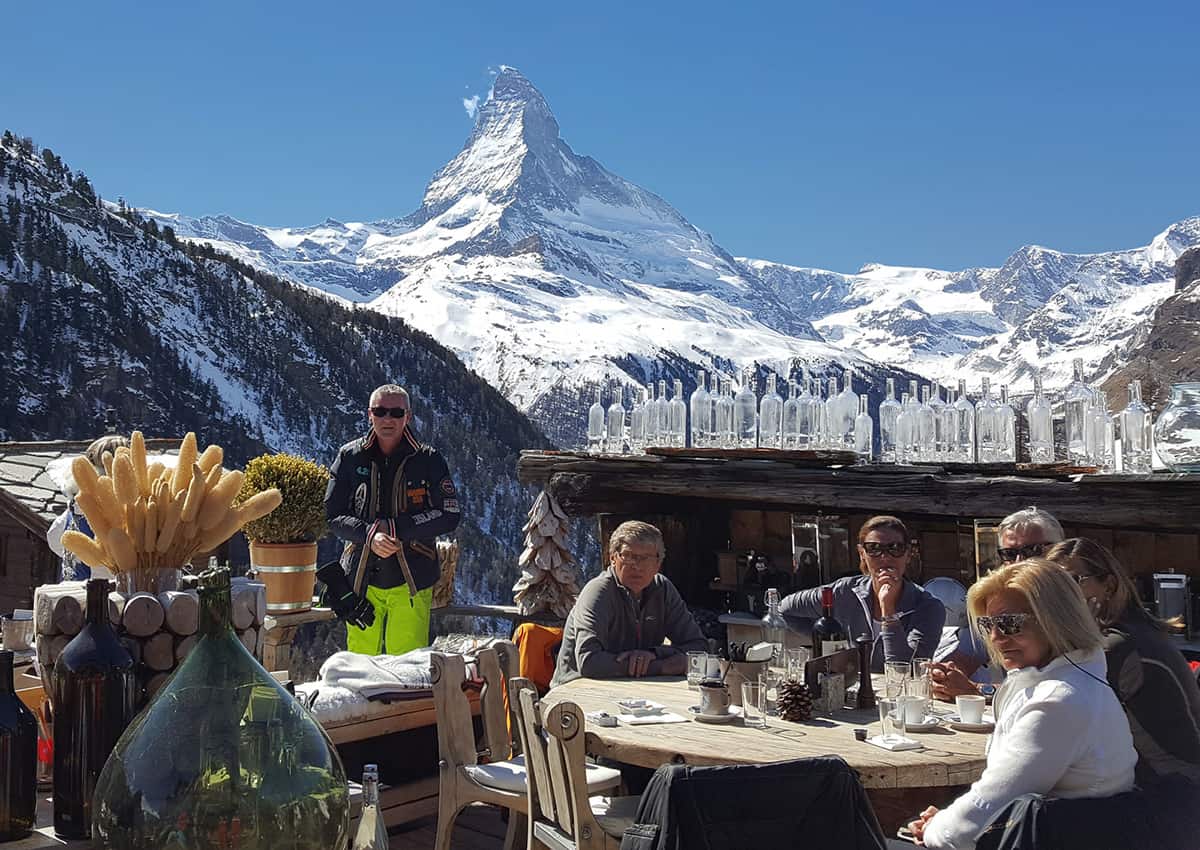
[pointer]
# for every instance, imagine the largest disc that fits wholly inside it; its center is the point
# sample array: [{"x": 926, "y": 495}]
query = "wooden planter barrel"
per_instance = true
[{"x": 289, "y": 570}]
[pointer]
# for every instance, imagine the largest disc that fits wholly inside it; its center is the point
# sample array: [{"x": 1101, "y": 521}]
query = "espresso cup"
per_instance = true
[
  {"x": 714, "y": 697},
  {"x": 970, "y": 708}
]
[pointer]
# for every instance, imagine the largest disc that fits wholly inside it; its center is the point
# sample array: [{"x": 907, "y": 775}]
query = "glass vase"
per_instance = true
[
  {"x": 152, "y": 580},
  {"x": 222, "y": 757},
  {"x": 1177, "y": 430}
]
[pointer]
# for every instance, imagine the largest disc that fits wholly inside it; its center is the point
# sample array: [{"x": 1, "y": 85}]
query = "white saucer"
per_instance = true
[
  {"x": 931, "y": 722},
  {"x": 953, "y": 722},
  {"x": 735, "y": 711}
]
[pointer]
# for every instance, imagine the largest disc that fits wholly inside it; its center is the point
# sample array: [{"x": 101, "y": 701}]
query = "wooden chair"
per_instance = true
[
  {"x": 490, "y": 771},
  {"x": 561, "y": 814}
]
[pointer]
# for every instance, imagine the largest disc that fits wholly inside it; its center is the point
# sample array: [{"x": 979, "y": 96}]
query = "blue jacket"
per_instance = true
[{"x": 921, "y": 618}]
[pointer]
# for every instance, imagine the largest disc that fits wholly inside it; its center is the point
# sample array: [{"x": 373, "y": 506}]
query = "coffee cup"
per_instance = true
[
  {"x": 714, "y": 697},
  {"x": 970, "y": 708},
  {"x": 914, "y": 710}
]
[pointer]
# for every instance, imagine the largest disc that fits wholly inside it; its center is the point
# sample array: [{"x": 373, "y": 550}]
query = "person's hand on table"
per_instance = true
[
  {"x": 383, "y": 545},
  {"x": 949, "y": 681},
  {"x": 918, "y": 826},
  {"x": 636, "y": 661}
]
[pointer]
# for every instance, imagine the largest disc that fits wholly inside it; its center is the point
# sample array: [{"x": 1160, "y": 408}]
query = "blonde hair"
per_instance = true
[
  {"x": 1054, "y": 598},
  {"x": 635, "y": 531}
]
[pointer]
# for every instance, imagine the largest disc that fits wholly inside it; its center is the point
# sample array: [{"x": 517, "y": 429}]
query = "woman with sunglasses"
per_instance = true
[
  {"x": 903, "y": 620},
  {"x": 1060, "y": 731},
  {"x": 1148, "y": 673}
]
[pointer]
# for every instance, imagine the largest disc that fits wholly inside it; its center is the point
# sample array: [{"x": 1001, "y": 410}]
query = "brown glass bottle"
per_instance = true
[
  {"x": 94, "y": 700},
  {"x": 18, "y": 758}
]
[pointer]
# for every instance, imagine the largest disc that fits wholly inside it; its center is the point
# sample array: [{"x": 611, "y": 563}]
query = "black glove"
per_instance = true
[{"x": 340, "y": 596}]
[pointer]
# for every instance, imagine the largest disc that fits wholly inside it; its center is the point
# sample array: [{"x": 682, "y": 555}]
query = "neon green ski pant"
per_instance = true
[{"x": 398, "y": 626}]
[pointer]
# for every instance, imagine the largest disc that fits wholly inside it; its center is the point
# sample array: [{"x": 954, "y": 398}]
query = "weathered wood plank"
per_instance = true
[{"x": 587, "y": 485}]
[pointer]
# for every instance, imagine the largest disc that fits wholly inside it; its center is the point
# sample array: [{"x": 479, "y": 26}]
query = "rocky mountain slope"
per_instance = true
[{"x": 100, "y": 307}]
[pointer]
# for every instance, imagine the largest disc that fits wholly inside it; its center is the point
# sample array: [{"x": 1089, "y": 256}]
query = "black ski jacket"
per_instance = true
[{"x": 409, "y": 494}]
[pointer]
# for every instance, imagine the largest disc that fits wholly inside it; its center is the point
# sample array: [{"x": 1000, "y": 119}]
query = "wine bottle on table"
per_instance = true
[
  {"x": 372, "y": 831},
  {"x": 94, "y": 699},
  {"x": 828, "y": 635},
  {"x": 18, "y": 758}
]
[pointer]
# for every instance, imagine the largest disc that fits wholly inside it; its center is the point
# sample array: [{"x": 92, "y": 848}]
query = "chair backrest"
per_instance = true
[
  {"x": 554, "y": 757},
  {"x": 495, "y": 665}
]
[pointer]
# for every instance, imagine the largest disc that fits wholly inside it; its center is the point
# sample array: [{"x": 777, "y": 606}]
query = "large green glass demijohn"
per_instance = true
[{"x": 223, "y": 757}]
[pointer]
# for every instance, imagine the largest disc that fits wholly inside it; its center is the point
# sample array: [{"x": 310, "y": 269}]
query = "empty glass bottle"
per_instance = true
[
  {"x": 372, "y": 830},
  {"x": 1006, "y": 429},
  {"x": 746, "y": 413},
  {"x": 939, "y": 422},
  {"x": 889, "y": 410},
  {"x": 1101, "y": 433},
  {"x": 926, "y": 427},
  {"x": 985, "y": 424},
  {"x": 677, "y": 416},
  {"x": 845, "y": 408},
  {"x": 222, "y": 757},
  {"x": 770, "y": 417},
  {"x": 1041, "y": 425},
  {"x": 614, "y": 423},
  {"x": 1078, "y": 400},
  {"x": 912, "y": 448},
  {"x": 863, "y": 430},
  {"x": 1177, "y": 429},
  {"x": 906, "y": 426},
  {"x": 701, "y": 410},
  {"x": 725, "y": 433},
  {"x": 808, "y": 413},
  {"x": 949, "y": 427},
  {"x": 964, "y": 426},
  {"x": 662, "y": 414},
  {"x": 1135, "y": 456},
  {"x": 636, "y": 435},
  {"x": 651, "y": 417},
  {"x": 790, "y": 425},
  {"x": 595, "y": 424}
]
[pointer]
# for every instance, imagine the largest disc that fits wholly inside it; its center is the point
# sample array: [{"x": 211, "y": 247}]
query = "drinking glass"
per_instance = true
[
  {"x": 754, "y": 696},
  {"x": 697, "y": 668},
  {"x": 891, "y": 717},
  {"x": 895, "y": 677},
  {"x": 917, "y": 700},
  {"x": 770, "y": 680},
  {"x": 796, "y": 659}
]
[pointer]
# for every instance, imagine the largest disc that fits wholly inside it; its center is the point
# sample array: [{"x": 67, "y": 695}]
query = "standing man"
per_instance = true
[{"x": 389, "y": 497}]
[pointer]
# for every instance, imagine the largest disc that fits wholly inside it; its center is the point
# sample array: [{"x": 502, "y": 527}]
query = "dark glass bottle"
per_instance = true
[
  {"x": 95, "y": 695},
  {"x": 18, "y": 758},
  {"x": 828, "y": 635},
  {"x": 222, "y": 757}
]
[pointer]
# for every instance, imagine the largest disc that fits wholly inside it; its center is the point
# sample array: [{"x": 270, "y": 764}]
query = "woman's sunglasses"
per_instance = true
[
  {"x": 1007, "y": 624},
  {"x": 876, "y": 549}
]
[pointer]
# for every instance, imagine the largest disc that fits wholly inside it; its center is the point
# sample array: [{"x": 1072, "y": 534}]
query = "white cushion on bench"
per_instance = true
[{"x": 510, "y": 776}]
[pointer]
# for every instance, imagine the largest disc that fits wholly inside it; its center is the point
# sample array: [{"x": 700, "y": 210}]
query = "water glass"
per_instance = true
[
  {"x": 797, "y": 658},
  {"x": 697, "y": 668},
  {"x": 916, "y": 700},
  {"x": 770, "y": 680},
  {"x": 754, "y": 708},
  {"x": 891, "y": 717},
  {"x": 895, "y": 677}
]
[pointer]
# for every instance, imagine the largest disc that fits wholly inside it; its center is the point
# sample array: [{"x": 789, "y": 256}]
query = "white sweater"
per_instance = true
[{"x": 1059, "y": 732}]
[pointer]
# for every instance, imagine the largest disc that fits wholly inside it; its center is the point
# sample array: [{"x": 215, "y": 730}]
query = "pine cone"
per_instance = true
[{"x": 795, "y": 702}]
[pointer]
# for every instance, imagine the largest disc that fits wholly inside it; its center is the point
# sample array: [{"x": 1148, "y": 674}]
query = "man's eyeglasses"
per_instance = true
[
  {"x": 1007, "y": 624},
  {"x": 394, "y": 412},
  {"x": 1030, "y": 550},
  {"x": 628, "y": 558},
  {"x": 876, "y": 549}
]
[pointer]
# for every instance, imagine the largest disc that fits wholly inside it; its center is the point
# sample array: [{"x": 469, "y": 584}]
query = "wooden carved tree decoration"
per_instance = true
[{"x": 548, "y": 577}]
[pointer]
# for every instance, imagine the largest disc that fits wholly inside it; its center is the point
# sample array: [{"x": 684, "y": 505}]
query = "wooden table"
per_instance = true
[{"x": 899, "y": 783}]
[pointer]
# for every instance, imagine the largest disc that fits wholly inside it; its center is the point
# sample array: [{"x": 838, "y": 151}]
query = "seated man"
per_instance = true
[
  {"x": 619, "y": 622},
  {"x": 959, "y": 645},
  {"x": 1028, "y": 533}
]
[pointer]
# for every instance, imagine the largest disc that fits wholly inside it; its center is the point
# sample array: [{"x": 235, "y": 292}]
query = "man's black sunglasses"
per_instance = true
[
  {"x": 394, "y": 412},
  {"x": 1031, "y": 550},
  {"x": 876, "y": 549}
]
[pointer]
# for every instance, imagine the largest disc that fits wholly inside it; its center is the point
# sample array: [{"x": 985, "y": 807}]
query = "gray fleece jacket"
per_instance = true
[{"x": 607, "y": 621}]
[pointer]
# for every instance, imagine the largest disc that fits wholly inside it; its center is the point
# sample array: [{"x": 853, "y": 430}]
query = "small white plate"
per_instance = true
[
  {"x": 955, "y": 723},
  {"x": 735, "y": 711},
  {"x": 931, "y": 722},
  {"x": 639, "y": 707}
]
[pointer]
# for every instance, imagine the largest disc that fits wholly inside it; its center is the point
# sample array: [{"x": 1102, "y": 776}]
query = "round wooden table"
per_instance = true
[{"x": 899, "y": 783}]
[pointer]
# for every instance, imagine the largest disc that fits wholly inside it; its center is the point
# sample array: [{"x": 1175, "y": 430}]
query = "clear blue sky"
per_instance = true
[{"x": 824, "y": 134}]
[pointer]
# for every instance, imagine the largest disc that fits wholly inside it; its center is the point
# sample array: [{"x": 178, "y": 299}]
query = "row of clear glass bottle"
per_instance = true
[{"x": 926, "y": 430}]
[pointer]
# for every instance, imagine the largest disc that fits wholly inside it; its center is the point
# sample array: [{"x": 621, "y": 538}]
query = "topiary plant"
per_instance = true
[{"x": 301, "y": 516}]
